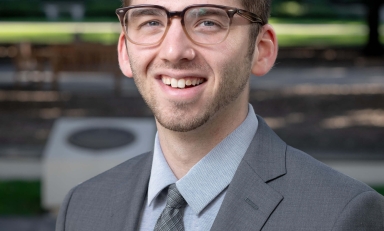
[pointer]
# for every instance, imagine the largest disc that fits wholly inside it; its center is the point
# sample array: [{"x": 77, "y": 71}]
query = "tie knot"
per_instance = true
[{"x": 174, "y": 198}]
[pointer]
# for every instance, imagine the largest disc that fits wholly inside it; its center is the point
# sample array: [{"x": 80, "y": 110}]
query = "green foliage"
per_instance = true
[
  {"x": 21, "y": 8},
  {"x": 20, "y": 198},
  {"x": 97, "y": 8},
  {"x": 33, "y": 9},
  {"x": 379, "y": 189}
]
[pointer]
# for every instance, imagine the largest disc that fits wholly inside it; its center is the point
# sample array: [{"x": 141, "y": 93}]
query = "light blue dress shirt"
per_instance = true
[{"x": 205, "y": 185}]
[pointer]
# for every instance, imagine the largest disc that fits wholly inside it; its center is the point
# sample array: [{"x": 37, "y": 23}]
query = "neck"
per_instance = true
[{"x": 183, "y": 150}]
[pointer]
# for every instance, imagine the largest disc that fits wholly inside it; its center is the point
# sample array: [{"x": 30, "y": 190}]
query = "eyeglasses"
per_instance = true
[{"x": 203, "y": 24}]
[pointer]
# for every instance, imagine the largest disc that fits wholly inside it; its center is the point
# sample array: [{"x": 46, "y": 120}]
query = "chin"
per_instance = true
[{"x": 182, "y": 124}]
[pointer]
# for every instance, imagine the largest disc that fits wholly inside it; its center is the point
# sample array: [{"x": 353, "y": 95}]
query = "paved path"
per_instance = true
[
  {"x": 282, "y": 77},
  {"x": 43, "y": 223}
]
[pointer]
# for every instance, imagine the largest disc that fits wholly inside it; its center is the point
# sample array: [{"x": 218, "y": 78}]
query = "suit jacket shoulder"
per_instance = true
[
  {"x": 109, "y": 201},
  {"x": 325, "y": 199},
  {"x": 277, "y": 187}
]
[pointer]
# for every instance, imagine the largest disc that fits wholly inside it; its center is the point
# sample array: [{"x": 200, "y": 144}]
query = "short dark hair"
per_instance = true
[{"x": 261, "y": 8}]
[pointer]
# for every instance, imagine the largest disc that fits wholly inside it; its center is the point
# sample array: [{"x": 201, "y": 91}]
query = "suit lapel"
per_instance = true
[
  {"x": 128, "y": 198},
  {"x": 249, "y": 200}
]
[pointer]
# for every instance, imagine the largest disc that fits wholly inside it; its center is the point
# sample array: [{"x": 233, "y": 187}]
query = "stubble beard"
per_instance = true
[{"x": 176, "y": 116}]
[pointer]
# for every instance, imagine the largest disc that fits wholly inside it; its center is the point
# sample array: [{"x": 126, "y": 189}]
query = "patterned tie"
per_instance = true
[{"x": 171, "y": 219}]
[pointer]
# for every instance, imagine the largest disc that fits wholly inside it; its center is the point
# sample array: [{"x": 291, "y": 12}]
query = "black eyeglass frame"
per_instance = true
[{"x": 231, "y": 11}]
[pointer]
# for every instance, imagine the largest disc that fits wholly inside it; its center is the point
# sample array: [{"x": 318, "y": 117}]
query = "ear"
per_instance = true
[
  {"x": 123, "y": 56},
  {"x": 265, "y": 51}
]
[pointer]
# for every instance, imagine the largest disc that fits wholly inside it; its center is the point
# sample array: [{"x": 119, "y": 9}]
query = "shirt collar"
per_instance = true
[
  {"x": 212, "y": 174},
  {"x": 161, "y": 174}
]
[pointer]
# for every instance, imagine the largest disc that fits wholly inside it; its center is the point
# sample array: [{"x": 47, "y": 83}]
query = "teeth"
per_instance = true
[
  {"x": 174, "y": 82},
  {"x": 167, "y": 81},
  {"x": 181, "y": 83}
]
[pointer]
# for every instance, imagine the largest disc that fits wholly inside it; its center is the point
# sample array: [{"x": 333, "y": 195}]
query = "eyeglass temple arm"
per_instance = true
[{"x": 251, "y": 17}]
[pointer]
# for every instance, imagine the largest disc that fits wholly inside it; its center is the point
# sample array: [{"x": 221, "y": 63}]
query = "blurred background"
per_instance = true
[{"x": 67, "y": 113}]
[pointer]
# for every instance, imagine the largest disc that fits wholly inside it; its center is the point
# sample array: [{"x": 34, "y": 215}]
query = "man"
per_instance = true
[{"x": 215, "y": 164}]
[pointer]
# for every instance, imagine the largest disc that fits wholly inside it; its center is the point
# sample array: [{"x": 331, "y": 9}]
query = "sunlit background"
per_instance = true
[{"x": 60, "y": 80}]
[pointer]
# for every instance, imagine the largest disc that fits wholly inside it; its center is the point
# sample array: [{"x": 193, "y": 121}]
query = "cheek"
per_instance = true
[
  {"x": 220, "y": 55},
  {"x": 140, "y": 59},
  {"x": 233, "y": 48},
  {"x": 228, "y": 54}
]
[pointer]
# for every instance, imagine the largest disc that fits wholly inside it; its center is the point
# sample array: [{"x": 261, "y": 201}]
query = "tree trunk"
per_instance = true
[{"x": 373, "y": 47}]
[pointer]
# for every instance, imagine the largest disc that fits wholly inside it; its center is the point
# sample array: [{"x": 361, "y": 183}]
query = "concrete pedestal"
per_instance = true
[{"x": 66, "y": 164}]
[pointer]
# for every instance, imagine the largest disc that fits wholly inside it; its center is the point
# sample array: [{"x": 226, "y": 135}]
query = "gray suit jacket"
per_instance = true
[{"x": 276, "y": 187}]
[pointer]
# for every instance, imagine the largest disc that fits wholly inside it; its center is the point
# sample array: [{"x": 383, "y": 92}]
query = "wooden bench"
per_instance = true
[
  {"x": 28, "y": 63},
  {"x": 31, "y": 62},
  {"x": 84, "y": 57}
]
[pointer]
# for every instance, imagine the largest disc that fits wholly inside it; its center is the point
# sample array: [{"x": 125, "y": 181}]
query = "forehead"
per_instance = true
[{"x": 181, "y": 4}]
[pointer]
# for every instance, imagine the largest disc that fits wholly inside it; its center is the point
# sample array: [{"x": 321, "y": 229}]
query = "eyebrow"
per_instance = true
[
  {"x": 145, "y": 12},
  {"x": 208, "y": 12}
]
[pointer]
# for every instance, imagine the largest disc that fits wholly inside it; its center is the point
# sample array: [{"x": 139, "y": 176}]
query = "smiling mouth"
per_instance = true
[{"x": 182, "y": 83}]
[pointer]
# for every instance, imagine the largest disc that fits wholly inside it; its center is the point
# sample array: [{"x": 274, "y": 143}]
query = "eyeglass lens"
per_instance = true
[{"x": 206, "y": 25}]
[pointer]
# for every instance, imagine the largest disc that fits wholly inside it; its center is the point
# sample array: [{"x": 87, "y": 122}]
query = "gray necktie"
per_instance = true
[{"x": 171, "y": 219}]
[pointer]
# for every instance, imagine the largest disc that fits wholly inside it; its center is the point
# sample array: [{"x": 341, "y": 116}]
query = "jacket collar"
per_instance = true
[
  {"x": 129, "y": 196},
  {"x": 250, "y": 200}
]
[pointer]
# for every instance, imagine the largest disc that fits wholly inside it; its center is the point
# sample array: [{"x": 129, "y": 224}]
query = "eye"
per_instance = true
[
  {"x": 208, "y": 24},
  {"x": 150, "y": 24},
  {"x": 153, "y": 23}
]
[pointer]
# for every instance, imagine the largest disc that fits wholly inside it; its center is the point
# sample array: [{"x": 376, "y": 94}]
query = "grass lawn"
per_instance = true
[
  {"x": 321, "y": 41},
  {"x": 379, "y": 189},
  {"x": 58, "y": 32},
  {"x": 20, "y": 198},
  {"x": 23, "y": 197},
  {"x": 290, "y": 33},
  {"x": 58, "y": 38}
]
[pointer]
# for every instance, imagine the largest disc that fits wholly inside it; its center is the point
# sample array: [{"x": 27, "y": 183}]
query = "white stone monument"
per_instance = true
[{"x": 80, "y": 148}]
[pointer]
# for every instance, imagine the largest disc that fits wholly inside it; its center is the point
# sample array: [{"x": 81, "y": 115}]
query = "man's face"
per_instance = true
[{"x": 216, "y": 74}]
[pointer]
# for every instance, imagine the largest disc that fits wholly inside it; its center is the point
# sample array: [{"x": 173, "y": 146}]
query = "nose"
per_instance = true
[{"x": 176, "y": 46}]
